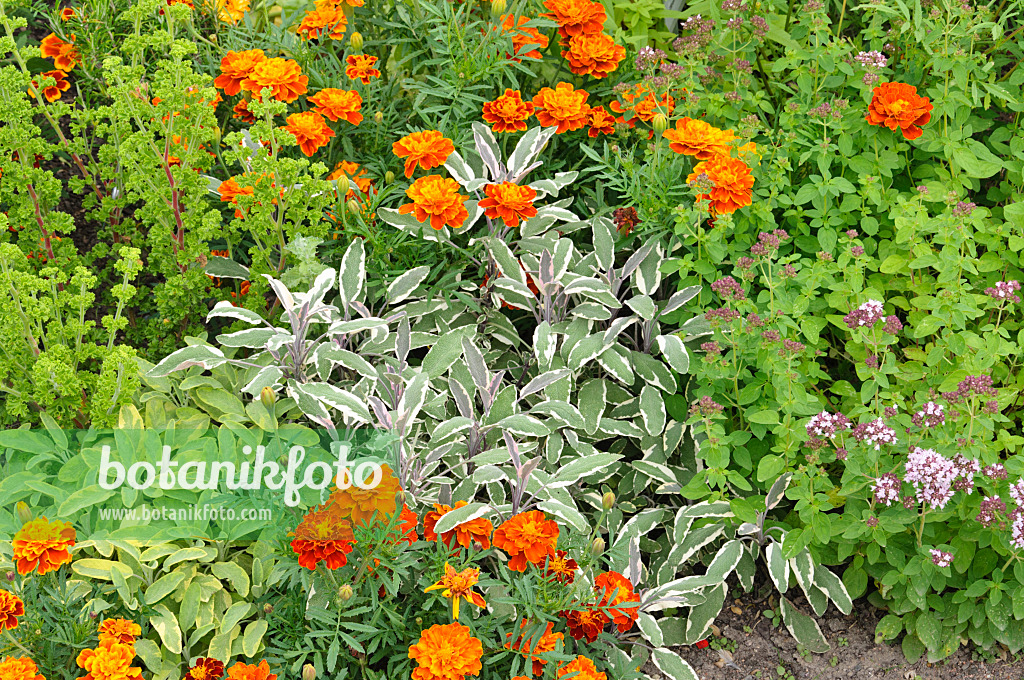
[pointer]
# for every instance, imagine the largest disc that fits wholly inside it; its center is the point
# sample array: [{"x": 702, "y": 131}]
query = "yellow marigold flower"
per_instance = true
[
  {"x": 446, "y": 653},
  {"x": 19, "y": 668},
  {"x": 232, "y": 11},
  {"x": 458, "y": 585},
  {"x": 437, "y": 199},
  {"x": 338, "y": 105},
  {"x": 699, "y": 139},
  {"x": 120, "y": 630},
  {"x": 43, "y": 546},
  {"x": 428, "y": 148},
  {"x": 109, "y": 661}
]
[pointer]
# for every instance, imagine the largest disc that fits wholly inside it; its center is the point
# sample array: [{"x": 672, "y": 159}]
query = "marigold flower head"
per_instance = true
[
  {"x": 338, "y": 105},
  {"x": 52, "y": 92},
  {"x": 581, "y": 668},
  {"x": 733, "y": 183},
  {"x": 19, "y": 668},
  {"x": 357, "y": 175},
  {"x": 576, "y": 16},
  {"x": 67, "y": 14},
  {"x": 478, "y": 530},
  {"x": 561, "y": 567},
  {"x": 11, "y": 607},
  {"x": 324, "y": 535},
  {"x": 899, "y": 106},
  {"x": 616, "y": 589},
  {"x": 529, "y": 537},
  {"x": 699, "y": 139},
  {"x": 240, "y": 111},
  {"x": 64, "y": 54},
  {"x": 563, "y": 106},
  {"x": 585, "y": 624},
  {"x": 310, "y": 130},
  {"x": 366, "y": 505},
  {"x": 120, "y": 630},
  {"x": 205, "y": 669},
  {"x": 245, "y": 671},
  {"x": 428, "y": 148},
  {"x": 523, "y": 36},
  {"x": 437, "y": 199},
  {"x": 508, "y": 113},
  {"x": 601, "y": 122},
  {"x": 232, "y": 11},
  {"x": 593, "y": 54},
  {"x": 111, "y": 660},
  {"x": 530, "y": 644},
  {"x": 509, "y": 202},
  {"x": 407, "y": 522},
  {"x": 458, "y": 585},
  {"x": 283, "y": 76},
  {"x": 42, "y": 546},
  {"x": 323, "y": 20},
  {"x": 235, "y": 67},
  {"x": 642, "y": 104},
  {"x": 361, "y": 67},
  {"x": 446, "y": 653}
]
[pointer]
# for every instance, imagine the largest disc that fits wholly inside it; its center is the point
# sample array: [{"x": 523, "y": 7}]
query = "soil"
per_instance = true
[{"x": 752, "y": 649}]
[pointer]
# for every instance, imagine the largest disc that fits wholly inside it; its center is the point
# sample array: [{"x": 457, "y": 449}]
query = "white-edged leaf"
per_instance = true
[
  {"x": 673, "y": 665},
  {"x": 186, "y": 357},
  {"x": 226, "y": 309},
  {"x": 834, "y": 588},
  {"x": 352, "y": 272},
  {"x": 268, "y": 376},
  {"x": 569, "y": 515},
  {"x": 675, "y": 353},
  {"x": 803, "y": 628},
  {"x": 466, "y": 513},
  {"x": 404, "y": 285},
  {"x": 225, "y": 268},
  {"x": 680, "y": 298},
  {"x": 341, "y": 400},
  {"x": 544, "y": 380}
]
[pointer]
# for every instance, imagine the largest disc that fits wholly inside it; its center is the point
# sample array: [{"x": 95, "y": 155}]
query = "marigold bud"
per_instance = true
[
  {"x": 356, "y": 40},
  {"x": 10, "y": 576},
  {"x": 308, "y": 672},
  {"x": 597, "y": 547},
  {"x": 344, "y": 185},
  {"x": 378, "y": 117},
  {"x": 268, "y": 608},
  {"x": 389, "y": 177},
  {"x": 213, "y": 37},
  {"x": 24, "y": 514},
  {"x": 498, "y": 7},
  {"x": 345, "y": 593},
  {"x": 608, "y": 500},
  {"x": 93, "y": 615},
  {"x": 659, "y": 123},
  {"x": 353, "y": 206},
  {"x": 268, "y": 397}
]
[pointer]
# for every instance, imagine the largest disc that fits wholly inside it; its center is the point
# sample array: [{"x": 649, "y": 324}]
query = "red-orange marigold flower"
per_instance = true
[
  {"x": 407, "y": 522},
  {"x": 245, "y": 671},
  {"x": 323, "y": 20},
  {"x": 529, "y": 537},
  {"x": 694, "y": 137},
  {"x": 363, "y": 505},
  {"x": 458, "y": 585},
  {"x": 562, "y": 568},
  {"x": 530, "y": 644},
  {"x": 446, "y": 653},
  {"x": 338, "y": 104},
  {"x": 52, "y": 92},
  {"x": 437, "y": 199},
  {"x": 43, "y": 546},
  {"x": 585, "y": 624},
  {"x": 898, "y": 105},
  {"x": 240, "y": 111},
  {"x": 11, "y": 607},
  {"x": 478, "y": 530},
  {"x": 67, "y": 14},
  {"x": 283, "y": 76},
  {"x": 64, "y": 54},
  {"x": 310, "y": 130},
  {"x": 733, "y": 183},
  {"x": 205, "y": 669},
  {"x": 509, "y": 202},
  {"x": 523, "y": 36},
  {"x": 361, "y": 67},
  {"x": 235, "y": 67},
  {"x": 324, "y": 535},
  {"x": 601, "y": 122},
  {"x": 508, "y": 113},
  {"x": 593, "y": 54},
  {"x": 581, "y": 668},
  {"x": 111, "y": 660},
  {"x": 120, "y": 630},
  {"x": 613, "y": 582},
  {"x": 576, "y": 16},
  {"x": 428, "y": 148},
  {"x": 19, "y": 668},
  {"x": 563, "y": 106}
]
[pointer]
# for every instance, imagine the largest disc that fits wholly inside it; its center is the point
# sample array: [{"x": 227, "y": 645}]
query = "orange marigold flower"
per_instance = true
[
  {"x": 562, "y": 568},
  {"x": 11, "y": 607},
  {"x": 232, "y": 11},
  {"x": 52, "y": 92},
  {"x": 43, "y": 546},
  {"x": 407, "y": 522},
  {"x": 323, "y": 20},
  {"x": 361, "y": 67},
  {"x": 576, "y": 16},
  {"x": 67, "y": 14},
  {"x": 240, "y": 111},
  {"x": 458, "y": 585},
  {"x": 109, "y": 661},
  {"x": 429, "y": 148},
  {"x": 338, "y": 105},
  {"x": 245, "y": 671},
  {"x": 19, "y": 668},
  {"x": 615, "y": 590},
  {"x": 64, "y": 54},
  {"x": 532, "y": 645},
  {"x": 446, "y": 653},
  {"x": 324, "y": 535},
  {"x": 310, "y": 130},
  {"x": 120, "y": 630},
  {"x": 205, "y": 669},
  {"x": 355, "y": 174},
  {"x": 699, "y": 139},
  {"x": 527, "y": 537},
  {"x": 235, "y": 67},
  {"x": 509, "y": 202},
  {"x": 642, "y": 104},
  {"x": 283, "y": 76},
  {"x": 593, "y": 54},
  {"x": 438, "y": 199},
  {"x": 230, "y": 190},
  {"x": 523, "y": 36},
  {"x": 581, "y": 668},
  {"x": 898, "y": 105},
  {"x": 585, "y": 624},
  {"x": 362, "y": 505},
  {"x": 478, "y": 530},
  {"x": 563, "y": 106},
  {"x": 508, "y": 113},
  {"x": 733, "y": 183},
  {"x": 601, "y": 122}
]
